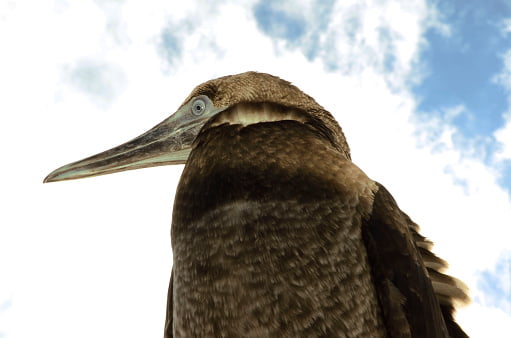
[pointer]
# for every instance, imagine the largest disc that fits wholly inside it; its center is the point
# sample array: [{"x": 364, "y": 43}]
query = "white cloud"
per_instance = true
[
  {"x": 481, "y": 321},
  {"x": 95, "y": 254},
  {"x": 503, "y": 135},
  {"x": 6, "y": 313},
  {"x": 505, "y": 26},
  {"x": 102, "y": 82}
]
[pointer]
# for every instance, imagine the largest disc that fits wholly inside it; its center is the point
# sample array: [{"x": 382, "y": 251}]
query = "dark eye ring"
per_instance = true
[{"x": 198, "y": 107}]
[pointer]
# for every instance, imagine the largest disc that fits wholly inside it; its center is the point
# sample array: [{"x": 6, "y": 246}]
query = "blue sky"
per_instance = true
[
  {"x": 462, "y": 69},
  {"x": 421, "y": 88}
]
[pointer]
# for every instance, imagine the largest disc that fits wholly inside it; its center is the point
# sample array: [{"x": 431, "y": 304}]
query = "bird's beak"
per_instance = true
[{"x": 169, "y": 142}]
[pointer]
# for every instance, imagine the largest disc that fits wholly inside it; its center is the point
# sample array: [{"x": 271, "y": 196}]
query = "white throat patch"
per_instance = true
[{"x": 251, "y": 113}]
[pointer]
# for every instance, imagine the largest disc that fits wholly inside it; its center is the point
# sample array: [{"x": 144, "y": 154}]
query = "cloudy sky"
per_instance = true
[{"x": 421, "y": 88}]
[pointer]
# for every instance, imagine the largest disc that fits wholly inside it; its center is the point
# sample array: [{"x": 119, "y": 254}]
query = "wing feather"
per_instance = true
[{"x": 402, "y": 264}]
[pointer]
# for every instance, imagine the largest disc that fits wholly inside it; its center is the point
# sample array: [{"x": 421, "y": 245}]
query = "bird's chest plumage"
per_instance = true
[{"x": 268, "y": 243}]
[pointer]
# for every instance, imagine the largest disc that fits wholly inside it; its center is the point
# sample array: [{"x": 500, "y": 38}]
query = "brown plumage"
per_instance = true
[{"x": 275, "y": 232}]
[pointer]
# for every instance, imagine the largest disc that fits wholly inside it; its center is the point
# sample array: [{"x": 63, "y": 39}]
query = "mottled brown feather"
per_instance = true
[
  {"x": 449, "y": 290},
  {"x": 254, "y": 87},
  {"x": 275, "y": 231},
  {"x": 267, "y": 242},
  {"x": 168, "y": 331},
  {"x": 395, "y": 260}
]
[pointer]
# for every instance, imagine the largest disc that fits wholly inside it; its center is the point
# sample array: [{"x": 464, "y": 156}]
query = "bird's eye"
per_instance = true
[{"x": 198, "y": 107}]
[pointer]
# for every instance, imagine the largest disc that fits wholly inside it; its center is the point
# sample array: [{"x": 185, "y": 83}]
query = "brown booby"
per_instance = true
[{"x": 275, "y": 231}]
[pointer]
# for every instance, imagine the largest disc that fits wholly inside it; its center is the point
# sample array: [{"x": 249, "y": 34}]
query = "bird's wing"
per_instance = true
[
  {"x": 168, "y": 333},
  {"x": 449, "y": 290},
  {"x": 415, "y": 297}
]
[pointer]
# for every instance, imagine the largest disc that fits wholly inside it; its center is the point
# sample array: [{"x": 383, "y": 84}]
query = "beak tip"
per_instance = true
[
  {"x": 48, "y": 179},
  {"x": 52, "y": 177}
]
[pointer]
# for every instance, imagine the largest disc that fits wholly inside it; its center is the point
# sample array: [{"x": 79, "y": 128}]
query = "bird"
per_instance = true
[{"x": 275, "y": 231}]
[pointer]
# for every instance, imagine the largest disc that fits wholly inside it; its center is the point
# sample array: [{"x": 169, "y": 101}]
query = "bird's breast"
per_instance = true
[{"x": 266, "y": 236}]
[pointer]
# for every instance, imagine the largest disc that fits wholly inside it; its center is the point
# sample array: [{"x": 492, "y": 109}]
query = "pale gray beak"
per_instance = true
[{"x": 169, "y": 142}]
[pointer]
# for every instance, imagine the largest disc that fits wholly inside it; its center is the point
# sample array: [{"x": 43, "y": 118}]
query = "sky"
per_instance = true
[{"x": 422, "y": 90}]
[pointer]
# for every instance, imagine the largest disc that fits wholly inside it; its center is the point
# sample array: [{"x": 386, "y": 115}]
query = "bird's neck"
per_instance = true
[{"x": 264, "y": 235}]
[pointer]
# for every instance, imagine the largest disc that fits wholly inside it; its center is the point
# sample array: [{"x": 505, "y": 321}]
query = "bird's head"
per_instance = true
[{"x": 245, "y": 98}]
